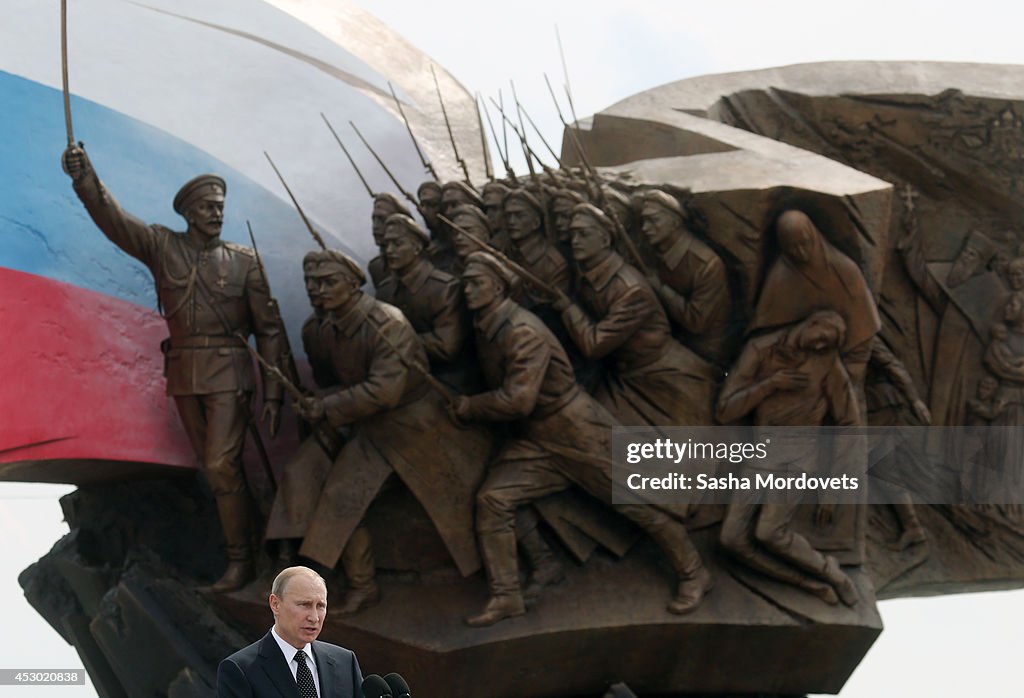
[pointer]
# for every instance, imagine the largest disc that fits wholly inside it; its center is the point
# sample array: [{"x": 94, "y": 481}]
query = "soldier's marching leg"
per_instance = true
[
  {"x": 694, "y": 579},
  {"x": 225, "y": 432},
  {"x": 545, "y": 569},
  {"x": 235, "y": 512},
  {"x": 357, "y": 561}
]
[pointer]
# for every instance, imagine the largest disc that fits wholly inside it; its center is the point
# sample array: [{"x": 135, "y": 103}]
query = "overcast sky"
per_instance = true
[{"x": 944, "y": 647}]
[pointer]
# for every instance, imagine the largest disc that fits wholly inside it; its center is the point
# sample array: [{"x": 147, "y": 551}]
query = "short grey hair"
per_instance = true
[{"x": 282, "y": 579}]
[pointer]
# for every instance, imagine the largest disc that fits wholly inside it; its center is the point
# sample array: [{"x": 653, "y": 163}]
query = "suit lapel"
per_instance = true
[
  {"x": 276, "y": 667},
  {"x": 325, "y": 669}
]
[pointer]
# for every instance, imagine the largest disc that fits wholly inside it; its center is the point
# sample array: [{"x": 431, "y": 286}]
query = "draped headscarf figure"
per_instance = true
[{"x": 811, "y": 274}]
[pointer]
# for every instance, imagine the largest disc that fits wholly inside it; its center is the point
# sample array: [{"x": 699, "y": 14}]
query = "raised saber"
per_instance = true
[
  {"x": 348, "y": 155},
  {"x": 408, "y": 127},
  {"x": 64, "y": 71},
  {"x": 302, "y": 214}
]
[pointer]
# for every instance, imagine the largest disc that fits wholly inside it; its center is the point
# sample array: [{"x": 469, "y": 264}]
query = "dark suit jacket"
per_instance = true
[{"x": 261, "y": 671}]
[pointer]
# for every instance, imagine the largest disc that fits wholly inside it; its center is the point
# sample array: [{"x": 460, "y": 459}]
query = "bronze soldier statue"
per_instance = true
[
  {"x": 429, "y": 195},
  {"x": 453, "y": 193},
  {"x": 384, "y": 205},
  {"x": 652, "y": 379},
  {"x": 565, "y": 439},
  {"x": 399, "y": 427},
  {"x": 791, "y": 377},
  {"x": 431, "y": 299},
  {"x": 524, "y": 222},
  {"x": 493, "y": 194},
  {"x": 307, "y": 468},
  {"x": 690, "y": 278},
  {"x": 562, "y": 202},
  {"x": 475, "y": 222},
  {"x": 209, "y": 291}
]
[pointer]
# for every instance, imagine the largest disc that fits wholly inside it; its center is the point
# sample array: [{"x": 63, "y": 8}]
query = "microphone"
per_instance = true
[
  {"x": 375, "y": 687},
  {"x": 399, "y": 688}
]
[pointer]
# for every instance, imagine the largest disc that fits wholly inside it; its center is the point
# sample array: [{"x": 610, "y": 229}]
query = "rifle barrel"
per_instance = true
[{"x": 302, "y": 214}]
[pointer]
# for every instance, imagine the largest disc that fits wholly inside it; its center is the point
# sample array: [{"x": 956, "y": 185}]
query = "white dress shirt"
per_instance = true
[{"x": 289, "y": 656}]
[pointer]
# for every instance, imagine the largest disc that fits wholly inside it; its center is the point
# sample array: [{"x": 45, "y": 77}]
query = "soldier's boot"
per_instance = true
[
  {"x": 694, "y": 579},
  {"x": 287, "y": 552},
  {"x": 235, "y": 512},
  {"x": 499, "y": 553},
  {"x": 357, "y": 561},
  {"x": 913, "y": 532},
  {"x": 545, "y": 568},
  {"x": 839, "y": 581}
]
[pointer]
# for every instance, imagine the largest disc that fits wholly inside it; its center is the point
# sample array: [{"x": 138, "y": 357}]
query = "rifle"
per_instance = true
[
  {"x": 426, "y": 163},
  {"x": 276, "y": 309},
  {"x": 448, "y": 125},
  {"x": 349, "y": 156},
  {"x": 543, "y": 140},
  {"x": 292, "y": 389},
  {"x": 302, "y": 214},
  {"x": 407, "y": 195},
  {"x": 497, "y": 146},
  {"x": 594, "y": 183},
  {"x": 488, "y": 169},
  {"x": 502, "y": 257},
  {"x": 527, "y": 150},
  {"x": 521, "y": 132},
  {"x": 295, "y": 392}
]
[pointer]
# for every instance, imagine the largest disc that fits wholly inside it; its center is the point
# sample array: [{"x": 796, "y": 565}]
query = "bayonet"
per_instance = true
[
  {"x": 407, "y": 195},
  {"x": 448, "y": 125},
  {"x": 515, "y": 129},
  {"x": 302, "y": 214},
  {"x": 497, "y": 146},
  {"x": 542, "y": 139},
  {"x": 349, "y": 156},
  {"x": 426, "y": 163},
  {"x": 521, "y": 132},
  {"x": 488, "y": 169}
]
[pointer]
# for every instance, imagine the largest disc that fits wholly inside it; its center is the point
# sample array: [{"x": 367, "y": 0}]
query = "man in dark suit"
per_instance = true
[{"x": 288, "y": 662}]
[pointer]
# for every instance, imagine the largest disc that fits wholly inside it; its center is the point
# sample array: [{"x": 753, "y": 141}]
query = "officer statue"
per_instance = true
[{"x": 210, "y": 292}]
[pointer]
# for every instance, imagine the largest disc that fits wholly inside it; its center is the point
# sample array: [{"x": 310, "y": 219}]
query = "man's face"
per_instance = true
[
  {"x": 380, "y": 214},
  {"x": 313, "y": 291},
  {"x": 1014, "y": 311},
  {"x": 520, "y": 219},
  {"x": 335, "y": 291},
  {"x": 562, "y": 210},
  {"x": 460, "y": 241},
  {"x": 492, "y": 207},
  {"x": 300, "y": 610},
  {"x": 967, "y": 264},
  {"x": 481, "y": 290},
  {"x": 796, "y": 245},
  {"x": 450, "y": 199},
  {"x": 400, "y": 249},
  {"x": 430, "y": 205},
  {"x": 207, "y": 215},
  {"x": 1015, "y": 274},
  {"x": 589, "y": 239},
  {"x": 658, "y": 224}
]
